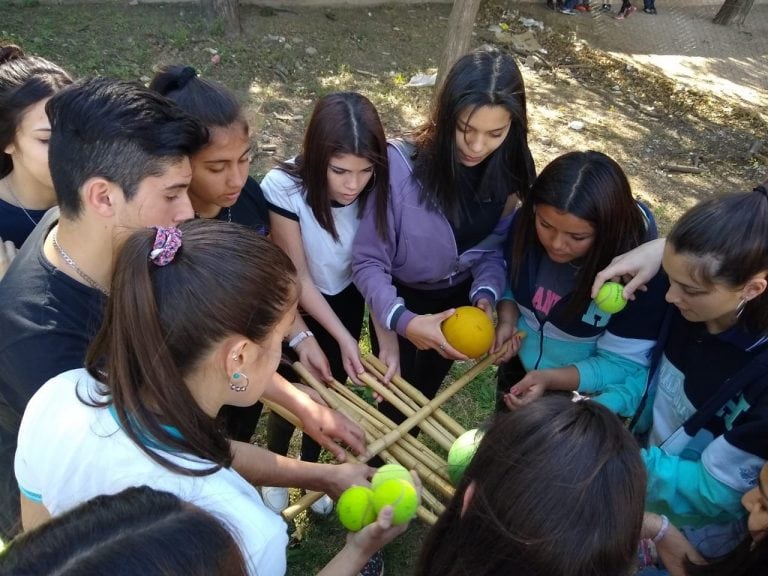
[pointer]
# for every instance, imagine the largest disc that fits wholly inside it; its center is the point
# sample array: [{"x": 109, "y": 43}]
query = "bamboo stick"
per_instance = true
[
  {"x": 427, "y": 467},
  {"x": 403, "y": 428},
  {"x": 402, "y": 456},
  {"x": 310, "y": 498},
  {"x": 433, "y": 503},
  {"x": 428, "y": 475},
  {"x": 426, "y": 516},
  {"x": 387, "y": 394},
  {"x": 408, "y": 442},
  {"x": 433, "y": 404},
  {"x": 380, "y": 376},
  {"x": 456, "y": 428},
  {"x": 410, "y": 402}
]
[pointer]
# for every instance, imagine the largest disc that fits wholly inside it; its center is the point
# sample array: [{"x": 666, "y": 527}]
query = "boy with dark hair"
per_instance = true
[{"x": 119, "y": 160}]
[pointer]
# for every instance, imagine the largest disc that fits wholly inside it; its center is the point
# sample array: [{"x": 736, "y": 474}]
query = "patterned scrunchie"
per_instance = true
[{"x": 167, "y": 243}]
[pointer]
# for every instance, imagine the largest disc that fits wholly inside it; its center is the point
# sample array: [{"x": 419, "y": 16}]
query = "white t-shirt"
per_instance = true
[
  {"x": 69, "y": 452},
  {"x": 329, "y": 262}
]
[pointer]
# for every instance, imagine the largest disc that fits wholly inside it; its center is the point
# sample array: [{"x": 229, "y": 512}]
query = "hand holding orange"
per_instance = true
[{"x": 469, "y": 330}]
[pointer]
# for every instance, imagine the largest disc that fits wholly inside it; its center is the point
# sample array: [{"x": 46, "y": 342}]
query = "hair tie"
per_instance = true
[
  {"x": 167, "y": 243},
  {"x": 576, "y": 397},
  {"x": 186, "y": 74},
  {"x": 762, "y": 189}
]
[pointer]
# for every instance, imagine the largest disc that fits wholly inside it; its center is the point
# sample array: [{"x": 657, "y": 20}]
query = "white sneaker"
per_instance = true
[
  {"x": 275, "y": 498},
  {"x": 323, "y": 506}
]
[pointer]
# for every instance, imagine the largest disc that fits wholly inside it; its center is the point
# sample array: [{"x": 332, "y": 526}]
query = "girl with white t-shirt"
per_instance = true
[
  {"x": 315, "y": 202},
  {"x": 195, "y": 321}
]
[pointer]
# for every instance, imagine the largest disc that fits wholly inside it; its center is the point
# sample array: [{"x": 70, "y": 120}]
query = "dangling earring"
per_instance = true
[
  {"x": 740, "y": 307},
  {"x": 235, "y": 382}
]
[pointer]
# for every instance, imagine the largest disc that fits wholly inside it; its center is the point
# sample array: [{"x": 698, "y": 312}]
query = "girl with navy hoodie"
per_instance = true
[
  {"x": 454, "y": 185},
  {"x": 579, "y": 215},
  {"x": 707, "y": 407}
]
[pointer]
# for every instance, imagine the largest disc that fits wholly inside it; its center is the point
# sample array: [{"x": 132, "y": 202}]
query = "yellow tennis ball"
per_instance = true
[
  {"x": 355, "y": 508},
  {"x": 399, "y": 494},
  {"x": 469, "y": 330},
  {"x": 388, "y": 472},
  {"x": 610, "y": 299}
]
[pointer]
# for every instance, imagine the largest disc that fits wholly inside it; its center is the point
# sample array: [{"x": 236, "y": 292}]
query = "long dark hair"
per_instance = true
[
  {"x": 24, "y": 81},
  {"x": 728, "y": 238},
  {"x": 593, "y": 187},
  {"x": 160, "y": 322},
  {"x": 749, "y": 558},
  {"x": 136, "y": 531},
  {"x": 342, "y": 123},
  {"x": 559, "y": 490},
  {"x": 480, "y": 78}
]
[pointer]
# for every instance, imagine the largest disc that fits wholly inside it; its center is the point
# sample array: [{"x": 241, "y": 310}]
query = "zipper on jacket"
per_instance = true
[{"x": 541, "y": 345}]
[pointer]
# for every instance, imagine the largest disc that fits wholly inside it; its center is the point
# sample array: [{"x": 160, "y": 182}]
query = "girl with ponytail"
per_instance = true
[{"x": 177, "y": 343}]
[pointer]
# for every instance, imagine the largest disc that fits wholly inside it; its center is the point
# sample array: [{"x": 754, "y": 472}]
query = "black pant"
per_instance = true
[
  {"x": 508, "y": 374},
  {"x": 424, "y": 369},
  {"x": 10, "y": 517},
  {"x": 349, "y": 307}
]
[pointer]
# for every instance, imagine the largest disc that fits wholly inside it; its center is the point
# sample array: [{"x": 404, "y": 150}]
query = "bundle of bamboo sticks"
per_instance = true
[{"x": 390, "y": 440}]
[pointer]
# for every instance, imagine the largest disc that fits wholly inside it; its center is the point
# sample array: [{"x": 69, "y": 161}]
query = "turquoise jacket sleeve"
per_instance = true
[
  {"x": 685, "y": 490},
  {"x": 618, "y": 382}
]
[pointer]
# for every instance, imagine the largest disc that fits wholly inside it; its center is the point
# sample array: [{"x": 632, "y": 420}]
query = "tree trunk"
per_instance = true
[
  {"x": 733, "y": 12},
  {"x": 458, "y": 35},
  {"x": 225, "y": 11}
]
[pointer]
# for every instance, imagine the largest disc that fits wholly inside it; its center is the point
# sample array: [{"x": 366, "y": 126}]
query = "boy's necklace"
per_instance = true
[{"x": 72, "y": 264}]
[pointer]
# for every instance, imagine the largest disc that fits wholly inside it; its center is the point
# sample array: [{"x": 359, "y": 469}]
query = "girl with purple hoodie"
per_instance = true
[{"x": 454, "y": 185}]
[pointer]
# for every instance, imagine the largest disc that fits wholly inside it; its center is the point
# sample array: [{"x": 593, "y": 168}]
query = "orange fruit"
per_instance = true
[{"x": 469, "y": 330}]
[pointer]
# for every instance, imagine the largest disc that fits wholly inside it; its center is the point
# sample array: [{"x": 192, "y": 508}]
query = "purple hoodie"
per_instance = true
[{"x": 419, "y": 251}]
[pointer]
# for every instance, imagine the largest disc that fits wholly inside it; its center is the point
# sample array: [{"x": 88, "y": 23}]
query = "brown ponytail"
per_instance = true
[{"x": 160, "y": 322}]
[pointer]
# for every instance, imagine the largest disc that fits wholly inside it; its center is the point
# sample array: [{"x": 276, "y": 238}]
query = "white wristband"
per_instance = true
[
  {"x": 662, "y": 530},
  {"x": 299, "y": 338}
]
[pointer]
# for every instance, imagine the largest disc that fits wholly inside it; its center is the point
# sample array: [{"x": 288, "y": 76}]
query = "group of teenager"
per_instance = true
[{"x": 148, "y": 311}]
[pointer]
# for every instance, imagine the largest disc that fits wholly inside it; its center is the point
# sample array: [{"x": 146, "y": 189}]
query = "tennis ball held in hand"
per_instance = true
[
  {"x": 355, "y": 508},
  {"x": 399, "y": 494},
  {"x": 610, "y": 299},
  {"x": 388, "y": 472},
  {"x": 469, "y": 330}
]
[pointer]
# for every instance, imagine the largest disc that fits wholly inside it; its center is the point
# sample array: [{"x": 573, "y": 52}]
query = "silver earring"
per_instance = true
[
  {"x": 740, "y": 307},
  {"x": 235, "y": 383}
]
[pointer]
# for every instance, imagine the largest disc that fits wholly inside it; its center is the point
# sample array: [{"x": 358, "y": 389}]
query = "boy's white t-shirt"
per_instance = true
[
  {"x": 69, "y": 452},
  {"x": 329, "y": 262}
]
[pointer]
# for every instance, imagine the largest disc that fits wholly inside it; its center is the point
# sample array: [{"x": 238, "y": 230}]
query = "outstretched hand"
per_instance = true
[
  {"x": 329, "y": 427},
  {"x": 425, "y": 333},
  {"x": 532, "y": 386},
  {"x": 312, "y": 357},
  {"x": 634, "y": 269},
  {"x": 342, "y": 476}
]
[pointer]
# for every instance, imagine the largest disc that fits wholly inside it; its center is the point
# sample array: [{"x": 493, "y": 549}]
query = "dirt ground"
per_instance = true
[{"x": 658, "y": 93}]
